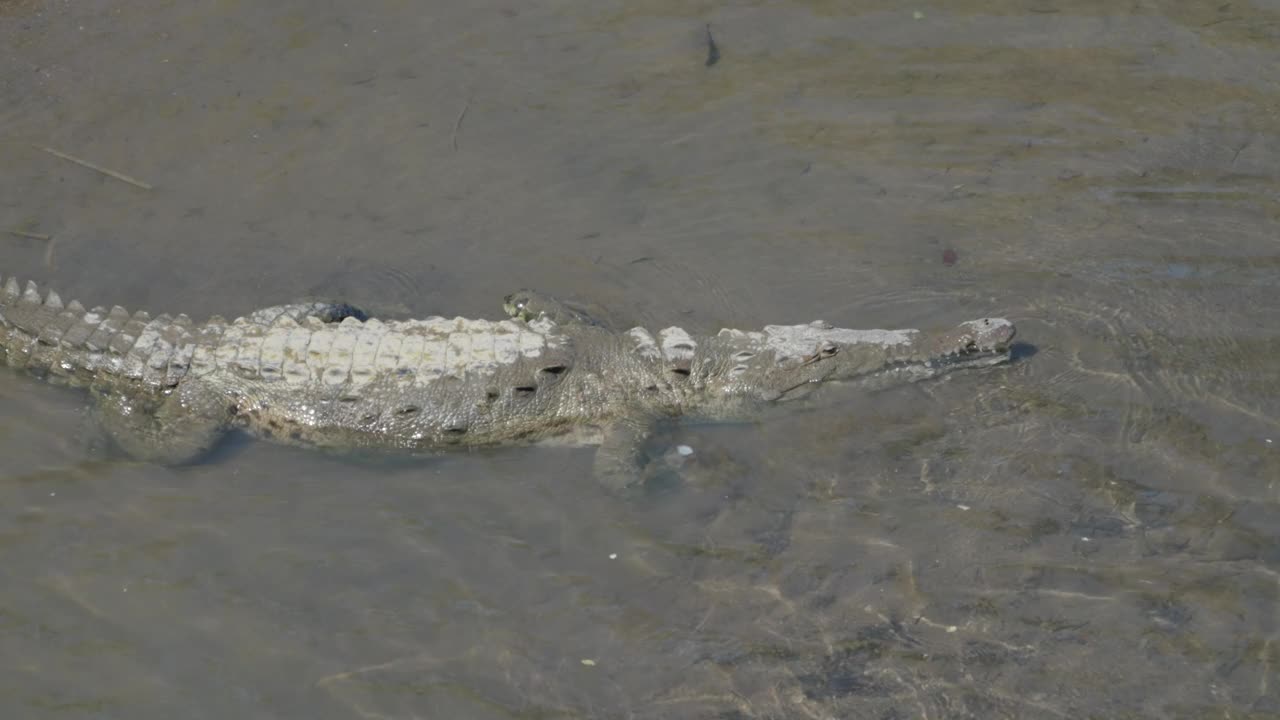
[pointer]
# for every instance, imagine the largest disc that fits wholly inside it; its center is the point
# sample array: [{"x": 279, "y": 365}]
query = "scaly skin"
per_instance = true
[{"x": 323, "y": 375}]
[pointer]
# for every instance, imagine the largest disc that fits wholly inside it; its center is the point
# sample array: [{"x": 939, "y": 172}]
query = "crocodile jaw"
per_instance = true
[
  {"x": 819, "y": 353},
  {"x": 972, "y": 344}
]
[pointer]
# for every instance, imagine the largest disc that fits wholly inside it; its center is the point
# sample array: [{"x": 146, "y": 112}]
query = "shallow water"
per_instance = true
[{"x": 1090, "y": 532}]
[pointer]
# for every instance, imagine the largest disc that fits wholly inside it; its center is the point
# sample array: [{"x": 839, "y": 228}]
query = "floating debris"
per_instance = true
[
  {"x": 29, "y": 235},
  {"x": 713, "y": 52},
  {"x": 457, "y": 124},
  {"x": 95, "y": 167},
  {"x": 48, "y": 240}
]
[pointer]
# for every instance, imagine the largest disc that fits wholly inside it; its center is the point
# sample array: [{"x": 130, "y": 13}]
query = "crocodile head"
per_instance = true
[
  {"x": 973, "y": 343},
  {"x": 814, "y": 353}
]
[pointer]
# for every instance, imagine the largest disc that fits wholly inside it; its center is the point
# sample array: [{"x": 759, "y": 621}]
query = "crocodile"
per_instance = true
[{"x": 327, "y": 375}]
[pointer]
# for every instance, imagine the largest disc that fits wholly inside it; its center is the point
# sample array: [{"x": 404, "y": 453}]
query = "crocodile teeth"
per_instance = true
[
  {"x": 75, "y": 307},
  {"x": 32, "y": 293},
  {"x": 11, "y": 288},
  {"x": 53, "y": 300}
]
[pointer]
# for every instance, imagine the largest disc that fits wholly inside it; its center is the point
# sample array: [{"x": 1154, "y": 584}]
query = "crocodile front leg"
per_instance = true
[
  {"x": 620, "y": 459},
  {"x": 170, "y": 430}
]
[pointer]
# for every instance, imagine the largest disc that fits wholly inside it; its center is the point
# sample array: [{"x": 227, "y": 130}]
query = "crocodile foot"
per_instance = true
[{"x": 169, "y": 432}]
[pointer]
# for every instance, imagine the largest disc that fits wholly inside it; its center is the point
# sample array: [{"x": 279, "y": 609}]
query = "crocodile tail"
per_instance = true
[{"x": 81, "y": 347}]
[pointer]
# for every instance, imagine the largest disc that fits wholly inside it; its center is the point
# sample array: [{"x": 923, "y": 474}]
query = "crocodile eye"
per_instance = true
[{"x": 517, "y": 306}]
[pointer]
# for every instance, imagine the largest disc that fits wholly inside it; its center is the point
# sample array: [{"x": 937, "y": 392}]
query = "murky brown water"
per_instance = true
[{"x": 1093, "y": 532}]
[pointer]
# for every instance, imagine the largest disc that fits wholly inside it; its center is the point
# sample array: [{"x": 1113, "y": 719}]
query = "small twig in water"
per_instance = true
[
  {"x": 29, "y": 235},
  {"x": 48, "y": 241},
  {"x": 713, "y": 52},
  {"x": 105, "y": 171},
  {"x": 457, "y": 124},
  {"x": 48, "y": 252}
]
